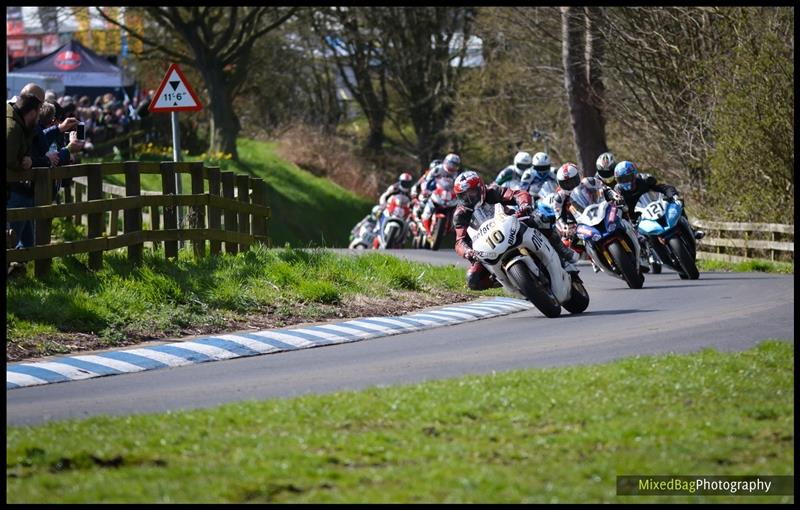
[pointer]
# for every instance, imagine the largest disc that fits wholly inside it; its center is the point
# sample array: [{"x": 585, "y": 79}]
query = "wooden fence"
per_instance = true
[
  {"x": 223, "y": 208},
  {"x": 753, "y": 240}
]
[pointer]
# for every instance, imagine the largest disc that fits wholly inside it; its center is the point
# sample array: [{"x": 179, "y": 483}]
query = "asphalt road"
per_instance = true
[{"x": 726, "y": 311}]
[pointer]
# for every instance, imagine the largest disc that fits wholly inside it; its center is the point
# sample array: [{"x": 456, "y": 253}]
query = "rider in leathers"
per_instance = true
[{"x": 478, "y": 277}]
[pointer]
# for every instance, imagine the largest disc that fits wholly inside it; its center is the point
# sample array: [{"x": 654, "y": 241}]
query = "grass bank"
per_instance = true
[
  {"x": 121, "y": 304},
  {"x": 539, "y": 435}
]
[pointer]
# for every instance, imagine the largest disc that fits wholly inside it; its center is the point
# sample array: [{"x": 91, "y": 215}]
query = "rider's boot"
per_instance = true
[
  {"x": 426, "y": 222},
  {"x": 644, "y": 265},
  {"x": 569, "y": 257}
]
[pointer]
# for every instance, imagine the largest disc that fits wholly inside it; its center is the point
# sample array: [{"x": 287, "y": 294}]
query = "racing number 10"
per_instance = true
[{"x": 495, "y": 238}]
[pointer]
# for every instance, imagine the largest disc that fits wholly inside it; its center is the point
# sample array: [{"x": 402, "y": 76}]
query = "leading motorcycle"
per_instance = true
[{"x": 524, "y": 262}]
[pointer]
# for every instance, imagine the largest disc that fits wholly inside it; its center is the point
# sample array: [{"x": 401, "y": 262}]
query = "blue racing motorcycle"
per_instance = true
[
  {"x": 609, "y": 239},
  {"x": 669, "y": 232}
]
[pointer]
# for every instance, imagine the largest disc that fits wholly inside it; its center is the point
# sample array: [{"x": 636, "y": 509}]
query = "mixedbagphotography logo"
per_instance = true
[{"x": 704, "y": 485}]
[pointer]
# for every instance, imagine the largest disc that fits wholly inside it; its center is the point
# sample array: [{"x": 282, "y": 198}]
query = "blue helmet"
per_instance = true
[{"x": 625, "y": 174}]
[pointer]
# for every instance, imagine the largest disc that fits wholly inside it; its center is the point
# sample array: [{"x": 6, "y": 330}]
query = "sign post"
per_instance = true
[{"x": 175, "y": 95}]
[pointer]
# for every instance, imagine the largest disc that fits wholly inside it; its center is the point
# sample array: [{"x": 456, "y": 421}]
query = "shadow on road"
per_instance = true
[{"x": 565, "y": 314}]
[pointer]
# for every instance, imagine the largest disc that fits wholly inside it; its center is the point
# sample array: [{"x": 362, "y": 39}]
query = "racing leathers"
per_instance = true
[
  {"x": 644, "y": 183},
  {"x": 478, "y": 277},
  {"x": 532, "y": 181},
  {"x": 394, "y": 189},
  {"x": 509, "y": 177}
]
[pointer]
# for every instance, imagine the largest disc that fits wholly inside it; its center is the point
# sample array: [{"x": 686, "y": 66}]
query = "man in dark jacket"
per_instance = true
[{"x": 21, "y": 118}]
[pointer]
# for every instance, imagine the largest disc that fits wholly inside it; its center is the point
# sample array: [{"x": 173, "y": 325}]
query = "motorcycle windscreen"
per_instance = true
[
  {"x": 481, "y": 213},
  {"x": 582, "y": 197},
  {"x": 646, "y": 199}
]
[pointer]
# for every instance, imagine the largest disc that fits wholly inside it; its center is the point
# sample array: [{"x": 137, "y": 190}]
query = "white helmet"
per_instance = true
[
  {"x": 605, "y": 167},
  {"x": 522, "y": 162},
  {"x": 541, "y": 162}
]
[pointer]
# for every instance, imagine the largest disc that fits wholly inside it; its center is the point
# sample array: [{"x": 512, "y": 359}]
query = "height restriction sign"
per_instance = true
[{"x": 175, "y": 94}]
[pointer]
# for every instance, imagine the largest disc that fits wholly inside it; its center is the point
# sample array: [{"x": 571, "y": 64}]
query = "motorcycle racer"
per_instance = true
[
  {"x": 535, "y": 177},
  {"x": 472, "y": 193}
]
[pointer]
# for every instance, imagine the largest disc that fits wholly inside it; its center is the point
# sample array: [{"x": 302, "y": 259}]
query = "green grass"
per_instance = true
[
  {"x": 306, "y": 210},
  {"x": 160, "y": 297},
  {"x": 538, "y": 435},
  {"x": 755, "y": 265}
]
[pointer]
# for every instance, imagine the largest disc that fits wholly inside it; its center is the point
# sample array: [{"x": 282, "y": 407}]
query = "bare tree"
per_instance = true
[
  {"x": 416, "y": 48},
  {"x": 218, "y": 42},
  {"x": 355, "y": 49},
  {"x": 660, "y": 63}
]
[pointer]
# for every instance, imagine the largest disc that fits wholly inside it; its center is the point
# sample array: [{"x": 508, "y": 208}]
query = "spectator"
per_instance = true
[
  {"x": 50, "y": 96},
  {"x": 21, "y": 119},
  {"x": 45, "y": 147}
]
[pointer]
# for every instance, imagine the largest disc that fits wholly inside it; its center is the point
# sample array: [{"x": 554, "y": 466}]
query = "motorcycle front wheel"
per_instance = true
[
  {"x": 685, "y": 259},
  {"x": 627, "y": 264},
  {"x": 579, "y": 299},
  {"x": 534, "y": 291}
]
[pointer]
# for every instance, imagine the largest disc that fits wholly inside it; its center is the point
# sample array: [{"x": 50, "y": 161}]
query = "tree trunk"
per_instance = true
[
  {"x": 225, "y": 126},
  {"x": 585, "y": 101}
]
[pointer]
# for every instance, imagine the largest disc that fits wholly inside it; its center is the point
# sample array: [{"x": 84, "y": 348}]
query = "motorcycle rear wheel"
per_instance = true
[{"x": 533, "y": 290}]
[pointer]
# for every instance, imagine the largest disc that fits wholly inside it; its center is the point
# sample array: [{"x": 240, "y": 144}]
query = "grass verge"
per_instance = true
[
  {"x": 755, "y": 265},
  {"x": 122, "y": 304},
  {"x": 539, "y": 435}
]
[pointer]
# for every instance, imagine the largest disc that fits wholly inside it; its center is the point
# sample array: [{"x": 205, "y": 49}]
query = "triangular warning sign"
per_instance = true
[{"x": 178, "y": 97}]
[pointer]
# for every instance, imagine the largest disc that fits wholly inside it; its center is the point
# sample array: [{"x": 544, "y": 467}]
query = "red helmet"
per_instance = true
[
  {"x": 568, "y": 176},
  {"x": 470, "y": 189},
  {"x": 405, "y": 181}
]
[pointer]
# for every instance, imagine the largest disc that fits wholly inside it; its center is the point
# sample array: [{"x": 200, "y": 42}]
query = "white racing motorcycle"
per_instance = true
[{"x": 523, "y": 261}]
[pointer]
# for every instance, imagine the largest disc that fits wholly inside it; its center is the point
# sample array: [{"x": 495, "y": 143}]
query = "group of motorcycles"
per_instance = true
[
  {"x": 522, "y": 260},
  {"x": 400, "y": 221}
]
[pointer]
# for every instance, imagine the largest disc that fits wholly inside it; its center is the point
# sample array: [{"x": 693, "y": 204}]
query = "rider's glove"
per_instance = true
[
  {"x": 471, "y": 256},
  {"x": 524, "y": 210}
]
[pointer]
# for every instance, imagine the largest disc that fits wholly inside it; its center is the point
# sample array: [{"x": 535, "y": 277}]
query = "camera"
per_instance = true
[{"x": 81, "y": 131}]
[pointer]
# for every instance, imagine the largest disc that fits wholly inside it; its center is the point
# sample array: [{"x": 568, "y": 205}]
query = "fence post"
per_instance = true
[
  {"x": 170, "y": 212},
  {"x": 243, "y": 183},
  {"x": 68, "y": 199},
  {"x": 78, "y": 193},
  {"x": 259, "y": 198},
  {"x": 42, "y": 195},
  {"x": 197, "y": 218},
  {"x": 94, "y": 191},
  {"x": 230, "y": 216},
  {"x": 133, "y": 217},
  {"x": 113, "y": 220},
  {"x": 772, "y": 250},
  {"x": 155, "y": 223},
  {"x": 214, "y": 214}
]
